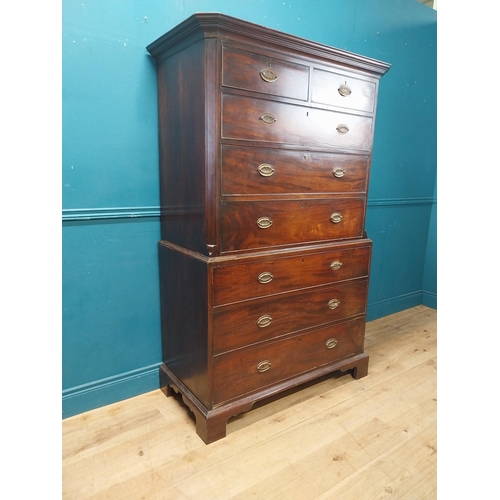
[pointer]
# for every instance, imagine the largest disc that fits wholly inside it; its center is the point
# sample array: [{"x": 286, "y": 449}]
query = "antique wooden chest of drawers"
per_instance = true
[{"x": 265, "y": 147}]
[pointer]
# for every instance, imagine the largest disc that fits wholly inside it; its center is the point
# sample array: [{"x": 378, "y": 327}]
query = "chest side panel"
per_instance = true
[{"x": 183, "y": 140}]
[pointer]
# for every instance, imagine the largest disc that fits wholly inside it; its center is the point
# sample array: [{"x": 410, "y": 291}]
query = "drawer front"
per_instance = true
[
  {"x": 248, "y": 225},
  {"x": 268, "y": 75},
  {"x": 236, "y": 282},
  {"x": 268, "y": 171},
  {"x": 344, "y": 91},
  {"x": 270, "y": 121},
  {"x": 241, "y": 372},
  {"x": 264, "y": 319}
]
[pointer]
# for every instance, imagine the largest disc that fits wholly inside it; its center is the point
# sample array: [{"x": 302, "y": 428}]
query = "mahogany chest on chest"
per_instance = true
[{"x": 265, "y": 146}]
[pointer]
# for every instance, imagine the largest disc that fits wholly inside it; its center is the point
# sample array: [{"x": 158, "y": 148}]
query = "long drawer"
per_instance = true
[
  {"x": 250, "y": 119},
  {"x": 270, "y": 171},
  {"x": 264, "y": 73},
  {"x": 258, "y": 320},
  {"x": 241, "y": 372},
  {"x": 247, "y": 225},
  {"x": 233, "y": 282}
]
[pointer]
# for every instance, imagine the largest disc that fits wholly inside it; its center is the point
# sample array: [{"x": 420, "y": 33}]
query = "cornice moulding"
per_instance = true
[{"x": 216, "y": 25}]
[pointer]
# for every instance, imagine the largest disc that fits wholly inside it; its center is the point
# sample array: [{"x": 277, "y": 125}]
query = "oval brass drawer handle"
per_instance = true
[
  {"x": 331, "y": 343},
  {"x": 335, "y": 265},
  {"x": 342, "y": 129},
  {"x": 268, "y": 119},
  {"x": 264, "y": 320},
  {"x": 263, "y": 366},
  {"x": 265, "y": 277},
  {"x": 336, "y": 217},
  {"x": 265, "y": 169},
  {"x": 344, "y": 90},
  {"x": 264, "y": 222},
  {"x": 268, "y": 75},
  {"x": 334, "y": 303},
  {"x": 338, "y": 172}
]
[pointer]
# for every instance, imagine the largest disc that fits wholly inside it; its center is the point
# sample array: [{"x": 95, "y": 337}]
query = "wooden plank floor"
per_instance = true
[{"x": 339, "y": 438}]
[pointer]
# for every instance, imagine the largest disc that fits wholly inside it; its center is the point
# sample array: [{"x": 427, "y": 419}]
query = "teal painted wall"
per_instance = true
[{"x": 111, "y": 314}]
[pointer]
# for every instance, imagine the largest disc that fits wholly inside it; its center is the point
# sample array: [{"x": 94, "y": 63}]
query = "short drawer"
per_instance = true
[
  {"x": 241, "y": 372},
  {"x": 268, "y": 75},
  {"x": 264, "y": 120},
  {"x": 271, "y": 275},
  {"x": 258, "y": 320},
  {"x": 247, "y": 225},
  {"x": 269, "y": 171},
  {"x": 343, "y": 91}
]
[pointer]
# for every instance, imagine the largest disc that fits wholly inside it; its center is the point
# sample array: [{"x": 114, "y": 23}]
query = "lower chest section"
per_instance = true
[{"x": 237, "y": 326}]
